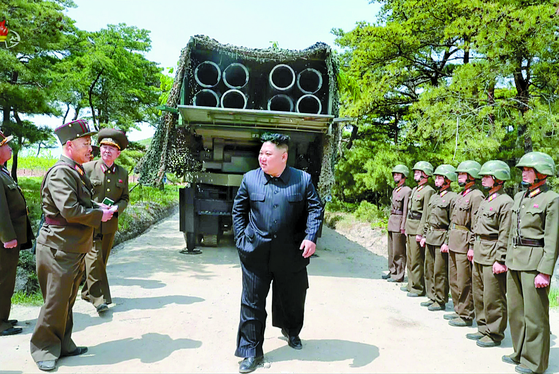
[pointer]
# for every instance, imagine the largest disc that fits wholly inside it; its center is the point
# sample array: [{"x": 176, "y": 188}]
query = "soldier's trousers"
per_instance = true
[
  {"x": 397, "y": 255},
  {"x": 59, "y": 276},
  {"x": 460, "y": 279},
  {"x": 436, "y": 274},
  {"x": 490, "y": 301},
  {"x": 96, "y": 288},
  {"x": 8, "y": 269},
  {"x": 416, "y": 263},
  {"x": 529, "y": 320},
  {"x": 288, "y": 306}
]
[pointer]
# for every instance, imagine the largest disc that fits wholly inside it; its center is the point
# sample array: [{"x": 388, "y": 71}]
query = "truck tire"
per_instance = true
[{"x": 210, "y": 241}]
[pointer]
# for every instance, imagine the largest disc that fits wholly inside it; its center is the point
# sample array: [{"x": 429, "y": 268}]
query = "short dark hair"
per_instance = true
[{"x": 280, "y": 140}]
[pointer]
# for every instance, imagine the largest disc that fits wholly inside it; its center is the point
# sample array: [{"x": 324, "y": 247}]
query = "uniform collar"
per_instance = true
[
  {"x": 5, "y": 170},
  {"x": 105, "y": 167},
  {"x": 536, "y": 191},
  {"x": 284, "y": 177},
  {"x": 73, "y": 164}
]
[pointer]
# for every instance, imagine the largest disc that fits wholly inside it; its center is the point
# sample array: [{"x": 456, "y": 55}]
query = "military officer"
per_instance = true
[
  {"x": 491, "y": 228},
  {"x": 531, "y": 256},
  {"x": 64, "y": 239},
  {"x": 109, "y": 180},
  {"x": 15, "y": 234},
  {"x": 460, "y": 240},
  {"x": 418, "y": 201},
  {"x": 435, "y": 236},
  {"x": 396, "y": 226}
]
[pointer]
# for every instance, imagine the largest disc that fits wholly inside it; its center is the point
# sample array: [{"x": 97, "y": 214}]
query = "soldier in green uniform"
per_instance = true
[
  {"x": 491, "y": 228},
  {"x": 435, "y": 236},
  {"x": 460, "y": 240},
  {"x": 109, "y": 181},
  {"x": 419, "y": 199},
  {"x": 64, "y": 239},
  {"x": 396, "y": 226},
  {"x": 15, "y": 234},
  {"x": 532, "y": 253}
]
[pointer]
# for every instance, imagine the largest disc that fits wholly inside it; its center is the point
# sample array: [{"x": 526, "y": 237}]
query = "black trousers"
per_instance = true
[{"x": 289, "y": 291}]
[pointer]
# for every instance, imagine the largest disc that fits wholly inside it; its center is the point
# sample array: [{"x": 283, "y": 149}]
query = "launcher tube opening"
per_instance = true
[
  {"x": 233, "y": 99},
  {"x": 309, "y": 81},
  {"x": 282, "y": 77},
  {"x": 281, "y": 103},
  {"x": 207, "y": 74},
  {"x": 206, "y": 97},
  {"x": 235, "y": 76},
  {"x": 309, "y": 104}
]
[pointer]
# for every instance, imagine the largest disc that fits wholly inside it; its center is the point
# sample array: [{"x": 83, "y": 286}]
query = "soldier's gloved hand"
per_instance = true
[
  {"x": 444, "y": 248},
  {"x": 308, "y": 247},
  {"x": 422, "y": 242},
  {"x": 11, "y": 244},
  {"x": 542, "y": 280},
  {"x": 107, "y": 215},
  {"x": 418, "y": 238},
  {"x": 499, "y": 268},
  {"x": 470, "y": 255}
]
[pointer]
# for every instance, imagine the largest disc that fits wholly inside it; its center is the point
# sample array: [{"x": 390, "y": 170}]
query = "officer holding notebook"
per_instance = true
[{"x": 110, "y": 187}]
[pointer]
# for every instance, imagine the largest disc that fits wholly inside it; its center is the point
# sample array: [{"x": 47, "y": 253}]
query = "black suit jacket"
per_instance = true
[{"x": 272, "y": 216}]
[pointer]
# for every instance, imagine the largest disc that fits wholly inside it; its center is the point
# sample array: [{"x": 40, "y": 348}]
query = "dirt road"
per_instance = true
[{"x": 179, "y": 313}]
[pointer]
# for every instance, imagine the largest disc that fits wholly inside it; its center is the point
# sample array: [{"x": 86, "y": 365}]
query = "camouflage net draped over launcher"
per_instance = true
[{"x": 170, "y": 147}]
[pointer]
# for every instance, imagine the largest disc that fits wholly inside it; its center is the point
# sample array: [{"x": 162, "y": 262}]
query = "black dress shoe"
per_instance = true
[
  {"x": 395, "y": 281},
  {"x": 46, "y": 365},
  {"x": 250, "y": 364},
  {"x": 76, "y": 352},
  {"x": 12, "y": 322},
  {"x": 11, "y": 331},
  {"x": 509, "y": 360},
  {"x": 522, "y": 369},
  {"x": 102, "y": 308},
  {"x": 292, "y": 340},
  {"x": 386, "y": 276}
]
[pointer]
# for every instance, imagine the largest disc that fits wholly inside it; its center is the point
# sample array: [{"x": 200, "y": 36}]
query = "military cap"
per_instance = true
[
  {"x": 113, "y": 137},
  {"x": 447, "y": 171},
  {"x": 471, "y": 167},
  {"x": 497, "y": 168},
  {"x": 402, "y": 169},
  {"x": 73, "y": 130},
  {"x": 424, "y": 166},
  {"x": 541, "y": 162},
  {"x": 4, "y": 139}
]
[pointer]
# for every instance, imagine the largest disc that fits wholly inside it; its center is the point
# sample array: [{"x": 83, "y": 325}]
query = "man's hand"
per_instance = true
[
  {"x": 107, "y": 215},
  {"x": 423, "y": 241},
  {"x": 403, "y": 231},
  {"x": 113, "y": 208},
  {"x": 308, "y": 247},
  {"x": 418, "y": 238},
  {"x": 542, "y": 280},
  {"x": 444, "y": 248},
  {"x": 471, "y": 255},
  {"x": 11, "y": 244},
  {"x": 499, "y": 268}
]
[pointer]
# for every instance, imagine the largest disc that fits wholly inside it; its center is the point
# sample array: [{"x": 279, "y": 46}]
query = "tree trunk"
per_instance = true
[
  {"x": 523, "y": 96},
  {"x": 14, "y": 164}
]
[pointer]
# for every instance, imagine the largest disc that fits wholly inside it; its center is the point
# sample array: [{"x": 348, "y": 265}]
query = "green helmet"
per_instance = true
[
  {"x": 471, "y": 167},
  {"x": 496, "y": 168},
  {"x": 541, "y": 162},
  {"x": 402, "y": 169},
  {"x": 447, "y": 171},
  {"x": 424, "y": 166}
]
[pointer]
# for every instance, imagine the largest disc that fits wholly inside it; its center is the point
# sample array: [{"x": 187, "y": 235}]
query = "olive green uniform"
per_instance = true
[
  {"x": 397, "y": 240},
  {"x": 418, "y": 201},
  {"x": 491, "y": 228},
  {"x": 63, "y": 241},
  {"x": 535, "y": 218},
  {"x": 14, "y": 224},
  {"x": 112, "y": 183},
  {"x": 460, "y": 240},
  {"x": 435, "y": 231}
]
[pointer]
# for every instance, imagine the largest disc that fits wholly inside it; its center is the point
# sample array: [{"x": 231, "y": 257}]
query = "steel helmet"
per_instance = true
[
  {"x": 403, "y": 169},
  {"x": 447, "y": 171},
  {"x": 471, "y": 167},
  {"x": 541, "y": 162},
  {"x": 424, "y": 166},
  {"x": 497, "y": 168}
]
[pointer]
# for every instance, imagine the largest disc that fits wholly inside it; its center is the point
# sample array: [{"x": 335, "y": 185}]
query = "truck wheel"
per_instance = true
[{"x": 209, "y": 241}]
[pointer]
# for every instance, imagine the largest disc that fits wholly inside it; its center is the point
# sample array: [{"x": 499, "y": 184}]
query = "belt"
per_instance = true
[
  {"x": 459, "y": 227},
  {"x": 439, "y": 228},
  {"x": 60, "y": 221},
  {"x": 491, "y": 237},
  {"x": 396, "y": 212},
  {"x": 414, "y": 215},
  {"x": 525, "y": 242}
]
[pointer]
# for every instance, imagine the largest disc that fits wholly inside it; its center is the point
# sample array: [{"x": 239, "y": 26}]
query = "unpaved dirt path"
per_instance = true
[{"x": 179, "y": 313}]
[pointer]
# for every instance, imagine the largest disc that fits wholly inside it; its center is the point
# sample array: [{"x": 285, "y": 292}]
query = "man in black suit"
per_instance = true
[{"x": 276, "y": 218}]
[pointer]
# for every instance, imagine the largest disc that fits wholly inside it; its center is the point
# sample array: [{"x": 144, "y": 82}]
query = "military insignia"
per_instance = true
[
  {"x": 78, "y": 169},
  {"x": 490, "y": 209},
  {"x": 420, "y": 188},
  {"x": 492, "y": 196},
  {"x": 536, "y": 206},
  {"x": 535, "y": 192},
  {"x": 443, "y": 193},
  {"x": 120, "y": 181}
]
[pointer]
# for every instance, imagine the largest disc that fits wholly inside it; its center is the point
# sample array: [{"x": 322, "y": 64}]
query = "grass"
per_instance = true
[
  {"x": 554, "y": 297},
  {"x": 21, "y": 298}
]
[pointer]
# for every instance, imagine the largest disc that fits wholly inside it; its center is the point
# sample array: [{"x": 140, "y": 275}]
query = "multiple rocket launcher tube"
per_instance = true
[{"x": 282, "y": 79}]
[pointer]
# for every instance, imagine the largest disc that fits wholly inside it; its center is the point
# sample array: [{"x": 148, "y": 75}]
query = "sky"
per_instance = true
[{"x": 293, "y": 24}]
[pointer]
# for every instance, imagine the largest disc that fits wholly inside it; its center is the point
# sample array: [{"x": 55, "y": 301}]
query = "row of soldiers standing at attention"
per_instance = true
[
  {"x": 495, "y": 254},
  {"x": 81, "y": 200}
]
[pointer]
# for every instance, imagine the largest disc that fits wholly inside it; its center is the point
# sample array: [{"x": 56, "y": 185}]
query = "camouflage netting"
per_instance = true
[{"x": 170, "y": 149}]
